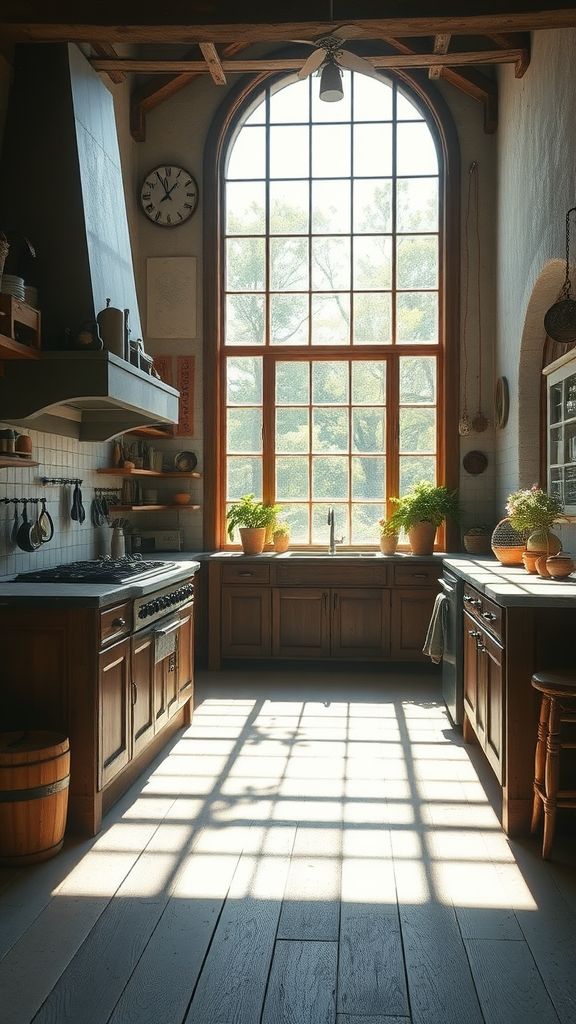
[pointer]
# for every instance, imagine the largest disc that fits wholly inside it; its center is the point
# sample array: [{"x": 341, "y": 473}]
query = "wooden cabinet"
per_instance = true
[
  {"x": 114, "y": 725},
  {"x": 484, "y": 691},
  {"x": 142, "y": 691},
  {"x": 318, "y": 609}
]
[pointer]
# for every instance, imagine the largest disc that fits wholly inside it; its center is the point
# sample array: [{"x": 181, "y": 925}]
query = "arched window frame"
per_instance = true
[{"x": 235, "y": 108}]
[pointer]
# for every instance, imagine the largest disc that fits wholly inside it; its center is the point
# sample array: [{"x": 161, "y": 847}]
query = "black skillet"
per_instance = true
[{"x": 26, "y": 538}]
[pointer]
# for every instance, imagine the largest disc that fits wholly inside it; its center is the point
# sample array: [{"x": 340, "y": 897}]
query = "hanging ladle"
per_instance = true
[
  {"x": 45, "y": 524},
  {"x": 560, "y": 320}
]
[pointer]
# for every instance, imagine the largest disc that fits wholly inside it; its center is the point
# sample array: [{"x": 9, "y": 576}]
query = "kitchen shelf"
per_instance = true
[
  {"x": 152, "y": 508},
  {"x": 150, "y": 472},
  {"x": 18, "y": 317},
  {"x": 159, "y": 431},
  {"x": 16, "y": 460}
]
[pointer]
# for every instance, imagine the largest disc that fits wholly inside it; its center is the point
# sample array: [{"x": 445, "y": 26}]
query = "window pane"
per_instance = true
[
  {"x": 292, "y": 430},
  {"x": 373, "y": 262},
  {"x": 329, "y": 430},
  {"x": 417, "y": 261},
  {"x": 244, "y": 381},
  {"x": 244, "y": 320},
  {"x": 372, "y": 318},
  {"x": 417, "y": 430},
  {"x": 368, "y": 478},
  {"x": 245, "y": 208},
  {"x": 320, "y": 529},
  {"x": 330, "y": 207},
  {"x": 292, "y": 383},
  {"x": 372, "y": 99},
  {"x": 331, "y": 319},
  {"x": 417, "y": 317},
  {"x": 416, "y": 152},
  {"x": 406, "y": 110},
  {"x": 329, "y": 383},
  {"x": 331, "y": 151},
  {"x": 372, "y": 150},
  {"x": 365, "y": 523},
  {"x": 330, "y": 263},
  {"x": 412, "y": 470},
  {"x": 288, "y": 264},
  {"x": 244, "y": 476},
  {"x": 247, "y": 159},
  {"x": 373, "y": 205},
  {"x": 289, "y": 207},
  {"x": 368, "y": 430},
  {"x": 292, "y": 480},
  {"x": 244, "y": 430},
  {"x": 417, "y": 206},
  {"x": 245, "y": 265},
  {"x": 289, "y": 319},
  {"x": 291, "y": 103},
  {"x": 289, "y": 152},
  {"x": 417, "y": 380},
  {"x": 369, "y": 382},
  {"x": 330, "y": 478}
]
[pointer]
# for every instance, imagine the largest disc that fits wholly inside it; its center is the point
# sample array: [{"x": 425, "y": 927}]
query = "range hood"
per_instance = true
[{"x": 92, "y": 396}]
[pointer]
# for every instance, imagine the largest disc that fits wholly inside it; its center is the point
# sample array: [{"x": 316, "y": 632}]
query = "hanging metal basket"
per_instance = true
[{"x": 560, "y": 320}]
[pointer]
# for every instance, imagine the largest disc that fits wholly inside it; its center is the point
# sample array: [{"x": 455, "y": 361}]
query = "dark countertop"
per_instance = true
[
  {"x": 512, "y": 586},
  {"x": 96, "y": 595}
]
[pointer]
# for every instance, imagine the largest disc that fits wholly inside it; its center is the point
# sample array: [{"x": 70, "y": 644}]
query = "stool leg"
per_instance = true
[
  {"x": 551, "y": 776},
  {"x": 540, "y": 762}
]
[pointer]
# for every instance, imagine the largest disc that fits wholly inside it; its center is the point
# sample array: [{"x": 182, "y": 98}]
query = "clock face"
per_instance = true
[{"x": 169, "y": 195}]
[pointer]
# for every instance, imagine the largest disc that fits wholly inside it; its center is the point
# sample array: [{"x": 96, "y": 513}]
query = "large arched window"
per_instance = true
[{"x": 331, "y": 328}]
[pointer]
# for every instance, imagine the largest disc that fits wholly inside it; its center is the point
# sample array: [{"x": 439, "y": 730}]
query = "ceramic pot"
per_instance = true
[
  {"x": 421, "y": 537},
  {"x": 507, "y": 544},
  {"x": 559, "y": 566},
  {"x": 541, "y": 567},
  {"x": 281, "y": 542},
  {"x": 530, "y": 558},
  {"x": 388, "y": 543},
  {"x": 252, "y": 539},
  {"x": 477, "y": 543}
]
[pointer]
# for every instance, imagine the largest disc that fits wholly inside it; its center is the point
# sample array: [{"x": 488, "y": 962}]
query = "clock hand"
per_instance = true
[
  {"x": 168, "y": 196},
  {"x": 162, "y": 180}
]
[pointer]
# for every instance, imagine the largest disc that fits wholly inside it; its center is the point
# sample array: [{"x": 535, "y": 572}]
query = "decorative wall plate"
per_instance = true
[
  {"x": 475, "y": 462},
  {"x": 185, "y": 462}
]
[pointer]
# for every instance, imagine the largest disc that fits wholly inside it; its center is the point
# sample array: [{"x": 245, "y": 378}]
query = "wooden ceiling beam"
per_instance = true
[
  {"x": 210, "y": 54},
  {"x": 441, "y": 44},
  {"x": 518, "y": 40},
  {"x": 104, "y": 50},
  {"x": 122, "y": 21}
]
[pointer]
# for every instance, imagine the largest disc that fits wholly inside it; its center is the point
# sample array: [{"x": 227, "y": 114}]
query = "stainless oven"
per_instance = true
[{"x": 453, "y": 655}]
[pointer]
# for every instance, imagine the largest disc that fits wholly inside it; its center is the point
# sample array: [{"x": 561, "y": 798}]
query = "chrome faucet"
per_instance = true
[{"x": 333, "y": 540}]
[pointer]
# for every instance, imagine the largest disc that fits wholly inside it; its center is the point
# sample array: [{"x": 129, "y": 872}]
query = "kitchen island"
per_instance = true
[{"x": 514, "y": 624}]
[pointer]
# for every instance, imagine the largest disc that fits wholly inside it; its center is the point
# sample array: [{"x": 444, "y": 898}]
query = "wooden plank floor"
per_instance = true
[{"x": 318, "y": 848}]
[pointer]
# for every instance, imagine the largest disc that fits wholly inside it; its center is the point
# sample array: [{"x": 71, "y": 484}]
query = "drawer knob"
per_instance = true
[
  {"x": 246, "y": 573},
  {"x": 490, "y": 616},
  {"x": 119, "y": 622}
]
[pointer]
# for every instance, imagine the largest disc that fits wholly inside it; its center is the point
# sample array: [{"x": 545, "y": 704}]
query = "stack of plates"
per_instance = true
[
  {"x": 12, "y": 285},
  {"x": 31, "y": 296}
]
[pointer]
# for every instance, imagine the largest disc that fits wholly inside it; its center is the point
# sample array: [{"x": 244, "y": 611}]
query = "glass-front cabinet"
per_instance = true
[{"x": 561, "y": 429}]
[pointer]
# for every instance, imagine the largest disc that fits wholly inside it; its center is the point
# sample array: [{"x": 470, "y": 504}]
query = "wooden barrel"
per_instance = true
[{"x": 34, "y": 778}]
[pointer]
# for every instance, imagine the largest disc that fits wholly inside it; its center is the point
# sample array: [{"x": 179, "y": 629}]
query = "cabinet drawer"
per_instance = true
[
  {"x": 335, "y": 574},
  {"x": 246, "y": 572},
  {"x": 115, "y": 622},
  {"x": 492, "y": 616},
  {"x": 415, "y": 575}
]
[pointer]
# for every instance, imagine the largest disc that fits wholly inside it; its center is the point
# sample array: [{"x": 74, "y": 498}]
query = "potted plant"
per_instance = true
[
  {"x": 252, "y": 519},
  {"x": 281, "y": 536},
  {"x": 533, "y": 513},
  {"x": 422, "y": 510},
  {"x": 388, "y": 536},
  {"x": 477, "y": 539}
]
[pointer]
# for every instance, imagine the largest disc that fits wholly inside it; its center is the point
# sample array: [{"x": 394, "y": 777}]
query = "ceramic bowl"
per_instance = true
[{"x": 181, "y": 498}]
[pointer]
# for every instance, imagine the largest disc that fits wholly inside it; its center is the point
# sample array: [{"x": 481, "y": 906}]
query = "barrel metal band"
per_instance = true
[{"x": 12, "y": 796}]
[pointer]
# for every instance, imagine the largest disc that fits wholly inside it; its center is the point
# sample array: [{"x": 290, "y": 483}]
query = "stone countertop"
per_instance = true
[
  {"x": 97, "y": 595},
  {"x": 324, "y": 556},
  {"x": 512, "y": 586}
]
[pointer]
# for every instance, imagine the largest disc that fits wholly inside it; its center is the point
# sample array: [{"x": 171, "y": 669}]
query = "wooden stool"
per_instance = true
[{"x": 558, "y": 705}]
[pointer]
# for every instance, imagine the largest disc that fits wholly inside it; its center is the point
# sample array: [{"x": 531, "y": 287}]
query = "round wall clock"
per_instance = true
[{"x": 168, "y": 196}]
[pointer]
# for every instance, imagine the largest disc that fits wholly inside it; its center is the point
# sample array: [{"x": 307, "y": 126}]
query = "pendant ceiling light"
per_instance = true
[
  {"x": 331, "y": 83},
  {"x": 560, "y": 320}
]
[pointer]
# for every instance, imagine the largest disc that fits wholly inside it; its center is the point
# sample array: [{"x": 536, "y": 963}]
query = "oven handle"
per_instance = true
[{"x": 169, "y": 628}]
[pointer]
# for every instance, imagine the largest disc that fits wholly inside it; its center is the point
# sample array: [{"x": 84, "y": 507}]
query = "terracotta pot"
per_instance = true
[
  {"x": 477, "y": 544},
  {"x": 252, "y": 539},
  {"x": 388, "y": 543},
  {"x": 541, "y": 567},
  {"x": 559, "y": 566},
  {"x": 422, "y": 537},
  {"x": 530, "y": 558},
  {"x": 507, "y": 543},
  {"x": 281, "y": 542}
]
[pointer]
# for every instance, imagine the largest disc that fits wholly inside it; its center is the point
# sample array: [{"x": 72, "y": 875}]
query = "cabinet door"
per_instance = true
[
  {"x": 185, "y": 654},
  {"x": 360, "y": 623},
  {"x": 142, "y": 691},
  {"x": 300, "y": 622},
  {"x": 246, "y": 622},
  {"x": 115, "y": 724},
  {"x": 472, "y": 634},
  {"x": 490, "y": 717},
  {"x": 411, "y": 613},
  {"x": 166, "y": 678}
]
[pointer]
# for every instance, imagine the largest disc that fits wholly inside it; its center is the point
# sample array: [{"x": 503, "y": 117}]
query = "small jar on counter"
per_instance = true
[{"x": 8, "y": 441}]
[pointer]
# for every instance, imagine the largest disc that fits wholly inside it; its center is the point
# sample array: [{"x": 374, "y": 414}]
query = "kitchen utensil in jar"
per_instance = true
[
  {"x": 27, "y": 540},
  {"x": 45, "y": 524}
]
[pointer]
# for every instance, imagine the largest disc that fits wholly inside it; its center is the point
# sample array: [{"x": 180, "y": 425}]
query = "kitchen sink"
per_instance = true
[{"x": 337, "y": 554}]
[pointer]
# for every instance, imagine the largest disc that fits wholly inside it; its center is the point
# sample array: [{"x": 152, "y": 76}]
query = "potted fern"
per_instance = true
[
  {"x": 252, "y": 519},
  {"x": 421, "y": 511}
]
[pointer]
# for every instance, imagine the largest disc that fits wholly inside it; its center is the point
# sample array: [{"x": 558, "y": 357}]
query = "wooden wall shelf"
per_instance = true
[
  {"x": 18, "y": 318},
  {"x": 149, "y": 472},
  {"x": 153, "y": 508},
  {"x": 15, "y": 460}
]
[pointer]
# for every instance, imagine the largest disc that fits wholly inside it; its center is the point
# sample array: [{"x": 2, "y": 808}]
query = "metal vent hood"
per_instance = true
[
  {"x": 69, "y": 200},
  {"x": 92, "y": 396}
]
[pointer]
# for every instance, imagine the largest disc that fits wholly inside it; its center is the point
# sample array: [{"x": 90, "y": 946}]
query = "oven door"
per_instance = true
[
  {"x": 166, "y": 668},
  {"x": 453, "y": 656}
]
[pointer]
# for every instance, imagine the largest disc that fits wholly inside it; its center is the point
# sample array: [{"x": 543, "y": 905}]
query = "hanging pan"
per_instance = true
[
  {"x": 27, "y": 539},
  {"x": 560, "y": 320}
]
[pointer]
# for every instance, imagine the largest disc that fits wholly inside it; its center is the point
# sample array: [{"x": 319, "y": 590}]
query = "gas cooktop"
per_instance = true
[{"x": 100, "y": 570}]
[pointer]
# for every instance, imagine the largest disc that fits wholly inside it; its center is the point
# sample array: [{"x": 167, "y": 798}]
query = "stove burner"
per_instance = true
[{"x": 101, "y": 570}]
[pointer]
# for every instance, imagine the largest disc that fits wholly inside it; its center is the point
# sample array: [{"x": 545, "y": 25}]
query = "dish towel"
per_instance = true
[{"x": 434, "y": 642}]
